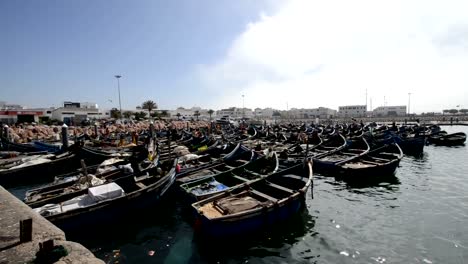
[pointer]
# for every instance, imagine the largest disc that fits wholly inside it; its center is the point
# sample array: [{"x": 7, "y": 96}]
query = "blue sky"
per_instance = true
[
  {"x": 208, "y": 53},
  {"x": 52, "y": 51}
]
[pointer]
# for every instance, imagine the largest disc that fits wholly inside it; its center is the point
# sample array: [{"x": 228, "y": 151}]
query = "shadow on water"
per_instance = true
[
  {"x": 264, "y": 243},
  {"x": 371, "y": 181},
  {"x": 110, "y": 241},
  {"x": 361, "y": 182}
]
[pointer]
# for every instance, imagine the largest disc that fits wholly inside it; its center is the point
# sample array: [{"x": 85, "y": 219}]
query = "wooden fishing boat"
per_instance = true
[
  {"x": 96, "y": 155},
  {"x": 329, "y": 164},
  {"x": 72, "y": 182},
  {"x": 329, "y": 146},
  {"x": 255, "y": 205},
  {"x": 444, "y": 139},
  {"x": 68, "y": 184},
  {"x": 410, "y": 143},
  {"x": 211, "y": 185},
  {"x": 378, "y": 163},
  {"x": 24, "y": 170},
  {"x": 205, "y": 165},
  {"x": 6, "y": 145},
  {"x": 110, "y": 202}
]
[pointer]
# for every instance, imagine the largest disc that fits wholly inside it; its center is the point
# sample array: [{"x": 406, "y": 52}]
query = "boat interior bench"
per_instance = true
[
  {"x": 240, "y": 178},
  {"x": 263, "y": 195},
  {"x": 280, "y": 187},
  {"x": 376, "y": 158},
  {"x": 371, "y": 162}
]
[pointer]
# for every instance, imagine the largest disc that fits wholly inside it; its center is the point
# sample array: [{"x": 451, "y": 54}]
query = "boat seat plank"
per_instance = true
[
  {"x": 240, "y": 178},
  {"x": 264, "y": 196},
  {"x": 280, "y": 187},
  {"x": 376, "y": 158},
  {"x": 295, "y": 177},
  {"x": 254, "y": 173},
  {"x": 360, "y": 150},
  {"x": 140, "y": 184},
  {"x": 349, "y": 153},
  {"x": 142, "y": 178},
  {"x": 371, "y": 162},
  {"x": 389, "y": 153}
]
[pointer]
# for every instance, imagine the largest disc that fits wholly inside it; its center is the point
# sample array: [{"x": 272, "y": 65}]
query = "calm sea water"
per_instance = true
[{"x": 420, "y": 216}]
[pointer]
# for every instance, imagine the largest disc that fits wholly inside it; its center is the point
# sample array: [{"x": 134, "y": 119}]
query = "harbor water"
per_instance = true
[{"x": 419, "y": 216}]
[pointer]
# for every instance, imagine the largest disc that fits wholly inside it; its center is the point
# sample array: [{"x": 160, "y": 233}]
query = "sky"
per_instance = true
[{"x": 208, "y": 53}]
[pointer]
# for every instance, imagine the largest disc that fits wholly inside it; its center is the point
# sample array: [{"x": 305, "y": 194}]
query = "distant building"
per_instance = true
[
  {"x": 235, "y": 112},
  {"x": 320, "y": 112},
  {"x": 6, "y": 106},
  {"x": 13, "y": 113},
  {"x": 21, "y": 115},
  {"x": 265, "y": 113},
  {"x": 73, "y": 113},
  {"x": 188, "y": 114},
  {"x": 84, "y": 105},
  {"x": 390, "y": 111},
  {"x": 352, "y": 111}
]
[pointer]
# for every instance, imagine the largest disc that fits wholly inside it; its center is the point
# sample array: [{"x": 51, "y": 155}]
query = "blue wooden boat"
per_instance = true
[
  {"x": 329, "y": 164},
  {"x": 6, "y": 145},
  {"x": 444, "y": 139},
  {"x": 68, "y": 184},
  {"x": 49, "y": 147},
  {"x": 37, "y": 168},
  {"x": 410, "y": 143},
  {"x": 376, "y": 164},
  {"x": 255, "y": 205},
  {"x": 205, "y": 165},
  {"x": 211, "y": 185},
  {"x": 110, "y": 202}
]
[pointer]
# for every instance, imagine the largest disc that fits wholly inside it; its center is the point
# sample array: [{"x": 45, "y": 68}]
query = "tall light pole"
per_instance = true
[
  {"x": 409, "y": 102},
  {"x": 243, "y": 108},
  {"x": 118, "y": 87}
]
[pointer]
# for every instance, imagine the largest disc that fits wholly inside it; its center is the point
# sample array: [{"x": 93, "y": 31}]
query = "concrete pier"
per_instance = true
[{"x": 16, "y": 250}]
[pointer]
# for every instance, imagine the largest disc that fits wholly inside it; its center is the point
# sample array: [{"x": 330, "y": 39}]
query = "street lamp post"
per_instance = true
[
  {"x": 118, "y": 87},
  {"x": 409, "y": 101},
  {"x": 243, "y": 108}
]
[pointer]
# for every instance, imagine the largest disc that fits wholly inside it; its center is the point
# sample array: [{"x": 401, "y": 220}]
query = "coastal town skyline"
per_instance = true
[{"x": 218, "y": 54}]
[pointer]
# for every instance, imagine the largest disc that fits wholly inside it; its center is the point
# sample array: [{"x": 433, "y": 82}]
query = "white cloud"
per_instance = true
[{"x": 327, "y": 53}]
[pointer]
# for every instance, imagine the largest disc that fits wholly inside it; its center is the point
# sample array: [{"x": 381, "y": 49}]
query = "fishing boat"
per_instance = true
[
  {"x": 26, "y": 169},
  {"x": 192, "y": 167},
  {"x": 378, "y": 163},
  {"x": 329, "y": 164},
  {"x": 211, "y": 185},
  {"x": 444, "y": 139},
  {"x": 111, "y": 201},
  {"x": 6, "y": 145},
  {"x": 332, "y": 144},
  {"x": 255, "y": 205},
  {"x": 68, "y": 184}
]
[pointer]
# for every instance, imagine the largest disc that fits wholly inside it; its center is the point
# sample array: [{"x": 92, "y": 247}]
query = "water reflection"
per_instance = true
[{"x": 270, "y": 241}]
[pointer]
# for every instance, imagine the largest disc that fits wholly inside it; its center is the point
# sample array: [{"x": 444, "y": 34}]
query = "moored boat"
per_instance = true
[
  {"x": 378, "y": 163},
  {"x": 254, "y": 206},
  {"x": 329, "y": 164},
  {"x": 209, "y": 186},
  {"x": 444, "y": 139},
  {"x": 108, "y": 202}
]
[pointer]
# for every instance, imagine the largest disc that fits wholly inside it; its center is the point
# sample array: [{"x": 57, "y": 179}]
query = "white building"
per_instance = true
[
  {"x": 72, "y": 113},
  {"x": 188, "y": 114},
  {"x": 352, "y": 111},
  {"x": 235, "y": 112},
  {"x": 265, "y": 113},
  {"x": 390, "y": 111},
  {"x": 6, "y": 106},
  {"x": 320, "y": 112}
]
